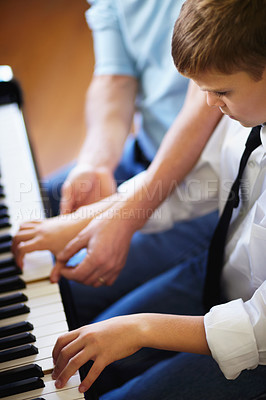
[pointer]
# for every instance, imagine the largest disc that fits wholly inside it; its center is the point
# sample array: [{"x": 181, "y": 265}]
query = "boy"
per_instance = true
[{"x": 221, "y": 46}]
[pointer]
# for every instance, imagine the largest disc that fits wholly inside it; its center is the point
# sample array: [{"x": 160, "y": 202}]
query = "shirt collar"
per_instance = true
[{"x": 263, "y": 137}]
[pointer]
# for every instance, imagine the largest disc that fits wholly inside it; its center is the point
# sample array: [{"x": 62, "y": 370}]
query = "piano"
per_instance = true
[{"x": 33, "y": 312}]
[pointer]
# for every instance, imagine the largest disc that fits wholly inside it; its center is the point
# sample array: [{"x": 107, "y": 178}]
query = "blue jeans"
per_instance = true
[
  {"x": 149, "y": 256},
  {"x": 155, "y": 374}
]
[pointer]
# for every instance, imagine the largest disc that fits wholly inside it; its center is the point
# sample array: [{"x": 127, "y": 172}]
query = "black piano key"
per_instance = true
[
  {"x": 10, "y": 389},
  {"x": 21, "y": 373},
  {"x": 13, "y": 329},
  {"x": 7, "y": 262},
  {"x": 9, "y": 271},
  {"x": 18, "y": 352},
  {"x": 13, "y": 298},
  {"x": 5, "y": 246},
  {"x": 3, "y": 206},
  {"x": 4, "y": 223},
  {"x": 13, "y": 310},
  {"x": 17, "y": 340},
  {"x": 2, "y": 192},
  {"x": 4, "y": 213},
  {"x": 5, "y": 238},
  {"x": 13, "y": 283}
]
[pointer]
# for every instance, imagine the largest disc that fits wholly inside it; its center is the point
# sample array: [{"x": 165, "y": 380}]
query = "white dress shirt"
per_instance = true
[{"x": 236, "y": 330}]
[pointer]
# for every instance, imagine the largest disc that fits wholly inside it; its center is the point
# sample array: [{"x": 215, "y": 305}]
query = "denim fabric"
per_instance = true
[
  {"x": 191, "y": 377},
  {"x": 129, "y": 166},
  {"x": 154, "y": 374},
  {"x": 149, "y": 255}
]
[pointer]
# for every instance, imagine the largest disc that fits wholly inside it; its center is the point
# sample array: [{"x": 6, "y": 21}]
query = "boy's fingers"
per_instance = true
[
  {"x": 22, "y": 236},
  {"x": 94, "y": 372},
  {"x": 26, "y": 247},
  {"x": 63, "y": 341}
]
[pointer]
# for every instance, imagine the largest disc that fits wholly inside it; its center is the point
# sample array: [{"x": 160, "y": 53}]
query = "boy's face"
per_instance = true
[{"x": 237, "y": 95}]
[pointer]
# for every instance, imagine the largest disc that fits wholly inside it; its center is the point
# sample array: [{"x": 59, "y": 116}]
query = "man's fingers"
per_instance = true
[
  {"x": 79, "y": 242},
  {"x": 66, "y": 203},
  {"x": 80, "y": 273},
  {"x": 71, "y": 248},
  {"x": 102, "y": 278},
  {"x": 56, "y": 271}
]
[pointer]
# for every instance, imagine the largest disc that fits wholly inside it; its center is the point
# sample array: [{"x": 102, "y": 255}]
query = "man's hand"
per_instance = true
[
  {"x": 85, "y": 185},
  {"x": 107, "y": 238}
]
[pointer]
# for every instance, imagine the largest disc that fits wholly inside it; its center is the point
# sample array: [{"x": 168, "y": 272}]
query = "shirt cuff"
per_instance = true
[{"x": 231, "y": 339}]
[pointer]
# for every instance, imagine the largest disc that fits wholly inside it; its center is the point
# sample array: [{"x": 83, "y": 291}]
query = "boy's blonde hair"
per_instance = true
[{"x": 224, "y": 35}]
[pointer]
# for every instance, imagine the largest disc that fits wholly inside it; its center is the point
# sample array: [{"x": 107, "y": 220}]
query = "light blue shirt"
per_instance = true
[{"x": 133, "y": 37}]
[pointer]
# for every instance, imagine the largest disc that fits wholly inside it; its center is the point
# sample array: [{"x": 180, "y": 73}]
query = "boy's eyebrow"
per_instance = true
[{"x": 214, "y": 90}]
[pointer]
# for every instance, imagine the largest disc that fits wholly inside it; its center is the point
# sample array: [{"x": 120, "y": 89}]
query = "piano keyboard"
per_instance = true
[{"x": 31, "y": 311}]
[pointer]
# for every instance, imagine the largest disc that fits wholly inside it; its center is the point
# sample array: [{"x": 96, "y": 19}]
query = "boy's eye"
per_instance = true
[{"x": 220, "y": 94}]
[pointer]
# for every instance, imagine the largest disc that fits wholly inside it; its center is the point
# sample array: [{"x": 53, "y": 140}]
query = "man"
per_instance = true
[{"x": 133, "y": 69}]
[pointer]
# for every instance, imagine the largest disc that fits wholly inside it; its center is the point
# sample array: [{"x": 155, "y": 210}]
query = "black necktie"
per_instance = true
[{"x": 211, "y": 292}]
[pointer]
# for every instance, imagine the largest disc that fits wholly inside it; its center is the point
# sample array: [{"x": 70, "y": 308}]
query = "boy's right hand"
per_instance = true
[{"x": 49, "y": 234}]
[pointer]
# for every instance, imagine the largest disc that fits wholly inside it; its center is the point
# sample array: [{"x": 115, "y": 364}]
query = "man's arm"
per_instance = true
[
  {"x": 109, "y": 112},
  {"x": 178, "y": 154}
]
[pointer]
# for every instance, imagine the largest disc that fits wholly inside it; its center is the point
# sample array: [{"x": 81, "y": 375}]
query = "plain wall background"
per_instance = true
[{"x": 49, "y": 47}]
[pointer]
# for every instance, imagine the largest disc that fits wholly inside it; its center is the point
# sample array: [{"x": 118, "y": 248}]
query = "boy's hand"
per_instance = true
[
  {"x": 100, "y": 342},
  {"x": 49, "y": 234}
]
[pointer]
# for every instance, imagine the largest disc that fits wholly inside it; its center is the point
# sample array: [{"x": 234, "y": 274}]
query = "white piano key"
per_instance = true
[
  {"x": 41, "y": 288},
  {"x": 6, "y": 255},
  {"x": 42, "y": 320},
  {"x": 38, "y": 301},
  {"x": 47, "y": 341},
  {"x": 5, "y": 231},
  {"x": 46, "y": 310},
  {"x": 43, "y": 331},
  {"x": 49, "y": 392},
  {"x": 37, "y": 289},
  {"x": 44, "y": 354},
  {"x": 37, "y": 265}
]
